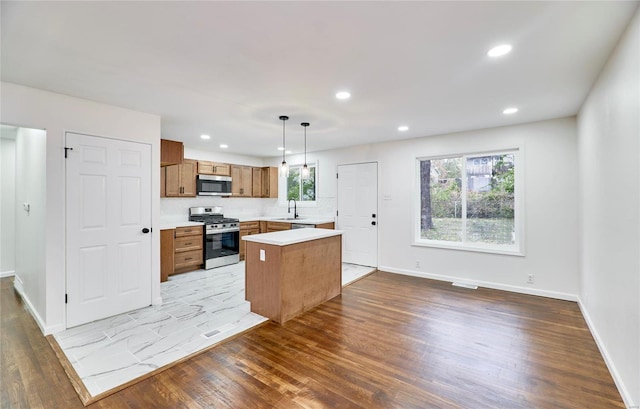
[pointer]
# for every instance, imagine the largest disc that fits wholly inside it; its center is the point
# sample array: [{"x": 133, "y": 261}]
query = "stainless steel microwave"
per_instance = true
[{"x": 213, "y": 185}]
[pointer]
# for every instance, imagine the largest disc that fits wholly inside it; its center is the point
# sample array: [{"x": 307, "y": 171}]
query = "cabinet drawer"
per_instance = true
[
  {"x": 188, "y": 258},
  {"x": 188, "y": 231},
  {"x": 188, "y": 243},
  {"x": 278, "y": 226},
  {"x": 250, "y": 225}
]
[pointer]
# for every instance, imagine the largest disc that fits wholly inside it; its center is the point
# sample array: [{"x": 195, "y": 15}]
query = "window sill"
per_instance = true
[{"x": 506, "y": 250}]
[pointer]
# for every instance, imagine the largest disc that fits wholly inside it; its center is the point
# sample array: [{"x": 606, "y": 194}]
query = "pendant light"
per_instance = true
[
  {"x": 305, "y": 168},
  {"x": 284, "y": 168}
]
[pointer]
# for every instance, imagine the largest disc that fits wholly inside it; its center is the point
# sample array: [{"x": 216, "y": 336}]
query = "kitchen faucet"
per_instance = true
[{"x": 295, "y": 208}]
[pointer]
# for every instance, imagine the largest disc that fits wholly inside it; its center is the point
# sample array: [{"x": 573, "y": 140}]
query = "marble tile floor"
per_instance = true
[
  {"x": 199, "y": 309},
  {"x": 354, "y": 272}
]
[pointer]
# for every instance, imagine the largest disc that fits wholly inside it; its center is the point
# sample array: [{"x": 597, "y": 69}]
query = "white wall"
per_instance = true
[
  {"x": 56, "y": 114},
  {"x": 551, "y": 235},
  {"x": 609, "y": 153},
  {"x": 7, "y": 206},
  {"x": 30, "y": 191}
]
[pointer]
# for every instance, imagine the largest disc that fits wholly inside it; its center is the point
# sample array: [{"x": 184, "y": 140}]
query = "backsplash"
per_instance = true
[{"x": 178, "y": 208}]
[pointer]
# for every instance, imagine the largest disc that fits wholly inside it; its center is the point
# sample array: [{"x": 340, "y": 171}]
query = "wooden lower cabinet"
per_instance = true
[
  {"x": 167, "y": 253},
  {"x": 246, "y": 229},
  {"x": 277, "y": 226},
  {"x": 326, "y": 226},
  {"x": 188, "y": 249},
  {"x": 180, "y": 250},
  {"x": 294, "y": 278}
]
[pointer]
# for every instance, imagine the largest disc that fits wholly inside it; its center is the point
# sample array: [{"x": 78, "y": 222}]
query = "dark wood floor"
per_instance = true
[{"x": 388, "y": 341}]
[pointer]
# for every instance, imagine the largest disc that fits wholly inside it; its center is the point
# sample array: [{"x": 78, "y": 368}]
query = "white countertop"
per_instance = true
[
  {"x": 286, "y": 237},
  {"x": 302, "y": 220},
  {"x": 170, "y": 224}
]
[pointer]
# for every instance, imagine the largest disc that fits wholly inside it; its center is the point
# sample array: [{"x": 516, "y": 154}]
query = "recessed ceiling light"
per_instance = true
[
  {"x": 224, "y": 145},
  {"x": 205, "y": 136},
  {"x": 343, "y": 95},
  {"x": 510, "y": 111},
  {"x": 499, "y": 51},
  {"x": 403, "y": 128},
  {"x": 280, "y": 148}
]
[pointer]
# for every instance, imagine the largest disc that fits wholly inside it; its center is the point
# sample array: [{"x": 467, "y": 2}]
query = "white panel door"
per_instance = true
[
  {"x": 108, "y": 204},
  {"x": 358, "y": 213}
]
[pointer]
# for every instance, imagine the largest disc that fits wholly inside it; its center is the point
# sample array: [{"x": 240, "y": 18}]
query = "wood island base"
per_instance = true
[{"x": 292, "y": 278}]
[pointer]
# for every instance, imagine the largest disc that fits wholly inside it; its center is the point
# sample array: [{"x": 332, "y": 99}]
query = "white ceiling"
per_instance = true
[{"x": 229, "y": 69}]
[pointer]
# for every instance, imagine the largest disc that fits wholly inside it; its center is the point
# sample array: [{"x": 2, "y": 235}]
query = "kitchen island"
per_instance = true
[{"x": 289, "y": 272}]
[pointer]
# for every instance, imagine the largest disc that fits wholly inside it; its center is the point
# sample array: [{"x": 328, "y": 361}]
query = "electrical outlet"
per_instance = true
[
  {"x": 530, "y": 279},
  {"x": 417, "y": 264}
]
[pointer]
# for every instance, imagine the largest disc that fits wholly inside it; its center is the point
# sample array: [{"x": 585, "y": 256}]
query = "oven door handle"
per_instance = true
[{"x": 229, "y": 230}]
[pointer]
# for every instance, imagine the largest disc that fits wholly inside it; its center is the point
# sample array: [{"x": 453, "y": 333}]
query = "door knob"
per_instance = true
[{"x": 145, "y": 230}]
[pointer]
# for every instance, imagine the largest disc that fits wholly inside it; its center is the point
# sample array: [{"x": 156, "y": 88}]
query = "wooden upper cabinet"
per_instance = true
[
  {"x": 180, "y": 180},
  {"x": 265, "y": 182},
  {"x": 241, "y": 181},
  {"x": 256, "y": 190},
  {"x": 270, "y": 182},
  {"x": 188, "y": 177},
  {"x": 171, "y": 152},
  {"x": 213, "y": 168},
  {"x": 163, "y": 182}
]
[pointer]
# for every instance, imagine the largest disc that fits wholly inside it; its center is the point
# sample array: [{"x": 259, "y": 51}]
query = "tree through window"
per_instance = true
[
  {"x": 299, "y": 189},
  {"x": 469, "y": 200}
]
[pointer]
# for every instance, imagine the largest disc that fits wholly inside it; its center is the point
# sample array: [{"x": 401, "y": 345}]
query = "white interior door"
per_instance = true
[
  {"x": 108, "y": 204},
  {"x": 358, "y": 213}
]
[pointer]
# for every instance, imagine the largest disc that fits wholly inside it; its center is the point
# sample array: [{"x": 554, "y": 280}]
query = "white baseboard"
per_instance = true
[
  {"x": 486, "y": 284},
  {"x": 8, "y": 273},
  {"x": 624, "y": 392},
  {"x": 19, "y": 287}
]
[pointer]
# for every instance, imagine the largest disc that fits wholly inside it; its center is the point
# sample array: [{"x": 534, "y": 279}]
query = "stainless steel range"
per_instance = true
[{"x": 221, "y": 236}]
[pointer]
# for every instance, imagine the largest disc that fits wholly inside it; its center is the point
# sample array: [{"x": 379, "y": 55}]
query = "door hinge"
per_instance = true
[
  {"x": 66, "y": 298},
  {"x": 336, "y": 176},
  {"x": 66, "y": 151},
  {"x": 336, "y": 212}
]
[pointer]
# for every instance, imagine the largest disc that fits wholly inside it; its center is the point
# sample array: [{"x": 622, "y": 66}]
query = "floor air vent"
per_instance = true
[
  {"x": 218, "y": 330},
  {"x": 464, "y": 285}
]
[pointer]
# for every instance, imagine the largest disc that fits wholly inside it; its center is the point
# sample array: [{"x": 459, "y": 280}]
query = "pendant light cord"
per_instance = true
[{"x": 283, "y": 118}]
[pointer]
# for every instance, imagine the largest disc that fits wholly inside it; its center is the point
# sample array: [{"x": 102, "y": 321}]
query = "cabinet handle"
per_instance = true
[
  {"x": 188, "y": 258},
  {"x": 188, "y": 244}
]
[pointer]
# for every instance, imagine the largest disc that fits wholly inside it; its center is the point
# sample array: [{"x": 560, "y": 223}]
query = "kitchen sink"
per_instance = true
[{"x": 288, "y": 218}]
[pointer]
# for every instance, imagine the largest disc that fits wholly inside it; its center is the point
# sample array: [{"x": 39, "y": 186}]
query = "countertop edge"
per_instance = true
[
  {"x": 306, "y": 220},
  {"x": 173, "y": 225},
  {"x": 288, "y": 237}
]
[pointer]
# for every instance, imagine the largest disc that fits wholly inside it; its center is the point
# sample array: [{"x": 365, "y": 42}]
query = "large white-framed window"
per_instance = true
[
  {"x": 471, "y": 201},
  {"x": 294, "y": 187}
]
